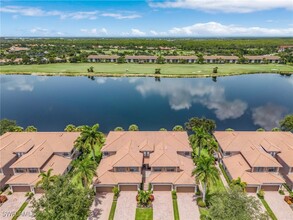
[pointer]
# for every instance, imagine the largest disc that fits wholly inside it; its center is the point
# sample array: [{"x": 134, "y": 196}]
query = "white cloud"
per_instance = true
[
  {"x": 218, "y": 29},
  {"x": 183, "y": 94},
  {"x": 120, "y": 16},
  {"x": 137, "y": 32},
  {"x": 38, "y": 30},
  {"x": 268, "y": 116},
  {"x": 228, "y": 6},
  {"x": 95, "y": 31},
  {"x": 76, "y": 15}
]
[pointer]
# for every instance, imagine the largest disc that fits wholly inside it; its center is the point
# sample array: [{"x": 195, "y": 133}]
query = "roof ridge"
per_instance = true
[
  {"x": 178, "y": 139},
  {"x": 124, "y": 132}
]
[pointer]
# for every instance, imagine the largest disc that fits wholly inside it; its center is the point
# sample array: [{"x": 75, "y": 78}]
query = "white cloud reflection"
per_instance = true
[
  {"x": 182, "y": 94},
  {"x": 268, "y": 116}
]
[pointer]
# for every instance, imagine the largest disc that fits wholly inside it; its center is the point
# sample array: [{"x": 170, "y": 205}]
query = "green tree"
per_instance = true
[
  {"x": 260, "y": 129},
  {"x": 163, "y": 129},
  {"x": 89, "y": 139},
  {"x": 31, "y": 129},
  {"x": 7, "y": 125},
  {"x": 229, "y": 129},
  {"x": 199, "y": 139},
  {"x": 133, "y": 127},
  {"x": 118, "y": 129},
  {"x": 206, "y": 172},
  {"x": 208, "y": 124},
  {"x": 215, "y": 70},
  {"x": 70, "y": 128},
  {"x": 18, "y": 129},
  {"x": 64, "y": 200},
  {"x": 238, "y": 183},
  {"x": 178, "y": 128},
  {"x": 287, "y": 123},
  {"x": 276, "y": 129},
  {"x": 85, "y": 170},
  {"x": 200, "y": 58},
  {"x": 144, "y": 197},
  {"x": 235, "y": 205},
  {"x": 157, "y": 71},
  {"x": 47, "y": 179}
]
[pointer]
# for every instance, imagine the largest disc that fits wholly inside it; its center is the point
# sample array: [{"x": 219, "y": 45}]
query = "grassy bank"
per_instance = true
[{"x": 167, "y": 70}]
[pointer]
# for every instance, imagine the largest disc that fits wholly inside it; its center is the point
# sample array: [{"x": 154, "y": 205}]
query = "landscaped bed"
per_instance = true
[{"x": 144, "y": 214}]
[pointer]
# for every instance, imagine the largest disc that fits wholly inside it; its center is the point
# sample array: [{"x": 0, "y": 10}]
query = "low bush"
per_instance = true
[
  {"x": 200, "y": 202},
  {"x": 174, "y": 195},
  {"x": 261, "y": 194},
  {"x": 9, "y": 193},
  {"x": 116, "y": 192},
  {"x": 198, "y": 192},
  {"x": 281, "y": 192}
]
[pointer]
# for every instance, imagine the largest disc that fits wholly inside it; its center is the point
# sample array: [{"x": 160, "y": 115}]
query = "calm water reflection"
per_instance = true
[{"x": 240, "y": 102}]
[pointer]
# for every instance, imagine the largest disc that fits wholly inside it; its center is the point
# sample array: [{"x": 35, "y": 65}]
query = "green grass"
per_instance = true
[
  {"x": 167, "y": 70},
  {"x": 225, "y": 173},
  {"x": 113, "y": 208},
  {"x": 20, "y": 210},
  {"x": 175, "y": 209},
  {"x": 266, "y": 205},
  {"x": 144, "y": 214}
]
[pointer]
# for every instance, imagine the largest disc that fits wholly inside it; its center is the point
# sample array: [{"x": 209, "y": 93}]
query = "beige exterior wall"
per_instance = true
[
  {"x": 285, "y": 168},
  {"x": 7, "y": 172}
]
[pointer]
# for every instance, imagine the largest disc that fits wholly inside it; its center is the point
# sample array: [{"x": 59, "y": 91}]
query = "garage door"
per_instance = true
[
  {"x": 21, "y": 189},
  {"x": 128, "y": 187},
  {"x": 162, "y": 187},
  {"x": 104, "y": 189},
  {"x": 270, "y": 188},
  {"x": 182, "y": 189},
  {"x": 251, "y": 189}
]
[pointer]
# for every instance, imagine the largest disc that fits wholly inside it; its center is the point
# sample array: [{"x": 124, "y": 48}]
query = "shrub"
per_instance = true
[
  {"x": 118, "y": 129},
  {"x": 133, "y": 127},
  {"x": 178, "y": 128},
  {"x": 215, "y": 70},
  {"x": 116, "y": 191},
  {"x": 200, "y": 203},
  {"x": 174, "y": 195},
  {"x": 261, "y": 194},
  {"x": 281, "y": 192},
  {"x": 198, "y": 192},
  {"x": 9, "y": 192},
  {"x": 163, "y": 129}
]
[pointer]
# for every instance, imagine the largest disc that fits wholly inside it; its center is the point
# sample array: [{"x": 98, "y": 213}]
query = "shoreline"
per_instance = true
[{"x": 100, "y": 74}]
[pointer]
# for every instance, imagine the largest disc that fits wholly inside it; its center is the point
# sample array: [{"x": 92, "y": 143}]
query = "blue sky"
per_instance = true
[{"x": 164, "y": 18}]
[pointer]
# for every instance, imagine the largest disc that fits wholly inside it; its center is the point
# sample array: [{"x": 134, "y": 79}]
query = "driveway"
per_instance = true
[
  {"x": 163, "y": 206},
  {"x": 187, "y": 206},
  {"x": 276, "y": 202},
  {"x": 126, "y": 206},
  {"x": 11, "y": 206},
  {"x": 101, "y": 206},
  {"x": 27, "y": 213}
]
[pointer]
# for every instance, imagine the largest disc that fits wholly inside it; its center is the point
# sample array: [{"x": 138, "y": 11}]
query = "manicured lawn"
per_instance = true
[
  {"x": 113, "y": 208},
  {"x": 20, "y": 210},
  {"x": 144, "y": 214},
  {"x": 147, "y": 69},
  {"x": 175, "y": 209}
]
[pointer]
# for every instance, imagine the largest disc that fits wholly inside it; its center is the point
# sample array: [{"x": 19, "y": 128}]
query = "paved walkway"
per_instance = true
[
  {"x": 101, "y": 206},
  {"x": 280, "y": 208},
  {"x": 27, "y": 213},
  {"x": 222, "y": 176},
  {"x": 187, "y": 206},
  {"x": 163, "y": 206},
  {"x": 11, "y": 206},
  {"x": 126, "y": 206}
]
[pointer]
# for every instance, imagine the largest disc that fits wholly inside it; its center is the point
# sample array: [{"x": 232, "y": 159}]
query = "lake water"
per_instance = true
[{"x": 244, "y": 102}]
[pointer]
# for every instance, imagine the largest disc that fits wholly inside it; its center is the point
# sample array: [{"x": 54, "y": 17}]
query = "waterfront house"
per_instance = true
[
  {"x": 263, "y": 160},
  {"x": 180, "y": 59},
  {"x": 220, "y": 59},
  {"x": 103, "y": 58},
  {"x": 24, "y": 155},
  {"x": 141, "y": 59},
  {"x": 132, "y": 160},
  {"x": 263, "y": 59}
]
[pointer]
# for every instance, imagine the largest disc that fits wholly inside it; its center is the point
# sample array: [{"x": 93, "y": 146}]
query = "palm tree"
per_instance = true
[
  {"x": 85, "y": 170},
  {"x": 200, "y": 138},
  {"x": 47, "y": 179},
  {"x": 70, "y": 128},
  {"x": 205, "y": 172},
  {"x": 239, "y": 183},
  {"x": 31, "y": 129},
  {"x": 144, "y": 197},
  {"x": 212, "y": 145},
  {"x": 89, "y": 138}
]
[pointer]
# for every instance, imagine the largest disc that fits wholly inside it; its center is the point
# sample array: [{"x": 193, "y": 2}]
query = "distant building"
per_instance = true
[
  {"x": 141, "y": 59},
  {"x": 18, "y": 49},
  {"x": 285, "y": 47},
  {"x": 263, "y": 59},
  {"x": 103, "y": 58},
  {"x": 179, "y": 59},
  {"x": 221, "y": 59}
]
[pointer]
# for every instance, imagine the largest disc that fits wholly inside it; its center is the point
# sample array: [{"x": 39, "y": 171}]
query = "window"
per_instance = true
[
  {"x": 33, "y": 170},
  {"x": 258, "y": 169},
  {"x": 227, "y": 153},
  {"x": 106, "y": 154},
  {"x": 146, "y": 153},
  {"x": 120, "y": 169},
  {"x": 133, "y": 169},
  {"x": 66, "y": 154},
  {"x": 157, "y": 169},
  {"x": 186, "y": 153},
  {"x": 170, "y": 169},
  {"x": 20, "y": 170},
  {"x": 18, "y": 154},
  {"x": 272, "y": 169}
]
